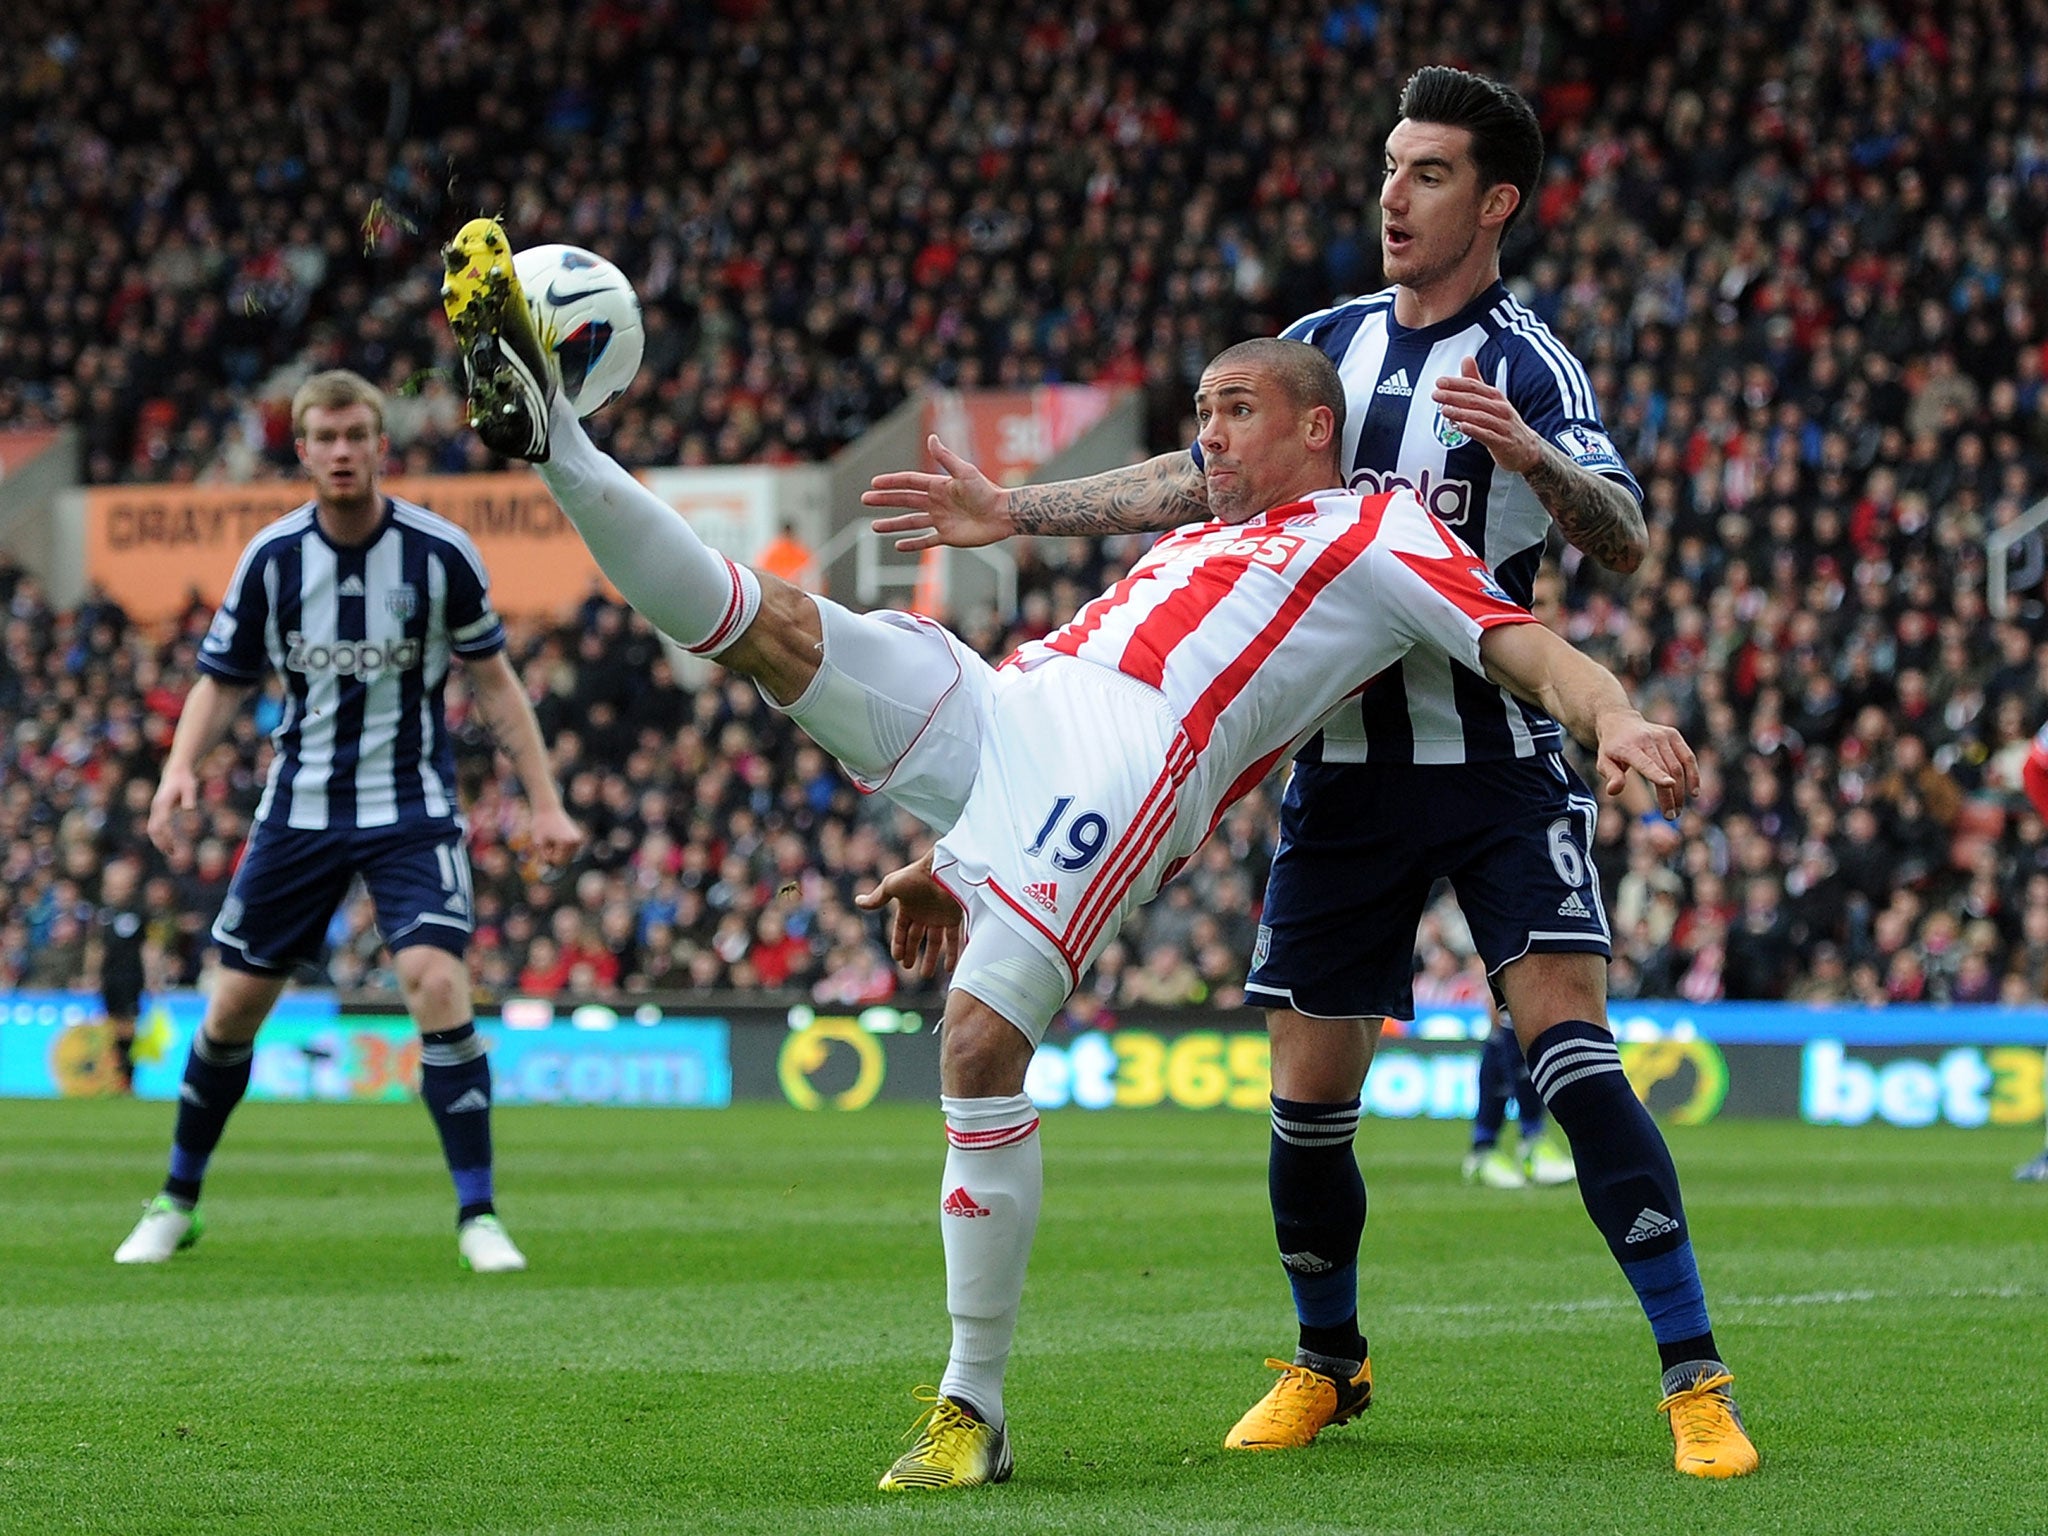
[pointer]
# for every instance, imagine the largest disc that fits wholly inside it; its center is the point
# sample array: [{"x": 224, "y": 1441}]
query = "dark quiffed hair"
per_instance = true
[
  {"x": 1305, "y": 372},
  {"x": 1507, "y": 141}
]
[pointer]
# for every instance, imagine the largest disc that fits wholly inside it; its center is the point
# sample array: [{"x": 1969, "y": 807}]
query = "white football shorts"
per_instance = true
[{"x": 1059, "y": 791}]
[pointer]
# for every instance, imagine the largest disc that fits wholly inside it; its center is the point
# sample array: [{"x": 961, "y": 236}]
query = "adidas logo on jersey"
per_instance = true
[
  {"x": 351, "y": 586},
  {"x": 960, "y": 1203},
  {"x": 1396, "y": 385},
  {"x": 1649, "y": 1224},
  {"x": 1572, "y": 906},
  {"x": 469, "y": 1102},
  {"x": 1046, "y": 893}
]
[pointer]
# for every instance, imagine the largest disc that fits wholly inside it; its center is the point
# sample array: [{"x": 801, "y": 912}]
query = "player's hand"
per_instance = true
[
  {"x": 177, "y": 791},
  {"x": 1657, "y": 752},
  {"x": 926, "y": 931},
  {"x": 555, "y": 838},
  {"x": 961, "y": 507},
  {"x": 1485, "y": 415}
]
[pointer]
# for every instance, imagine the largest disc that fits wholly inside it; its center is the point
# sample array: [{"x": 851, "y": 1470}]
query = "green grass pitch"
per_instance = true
[{"x": 726, "y": 1312}]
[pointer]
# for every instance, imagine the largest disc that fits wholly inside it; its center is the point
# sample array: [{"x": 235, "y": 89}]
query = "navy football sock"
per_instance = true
[
  {"x": 1625, "y": 1178},
  {"x": 1500, "y": 1066},
  {"x": 455, "y": 1083},
  {"x": 1318, "y": 1199},
  {"x": 216, "y": 1077}
]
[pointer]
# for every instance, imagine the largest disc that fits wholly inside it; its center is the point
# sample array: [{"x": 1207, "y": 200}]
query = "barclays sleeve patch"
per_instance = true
[{"x": 1590, "y": 449}]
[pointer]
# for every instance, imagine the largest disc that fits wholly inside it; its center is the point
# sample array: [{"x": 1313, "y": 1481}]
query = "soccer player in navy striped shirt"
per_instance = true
[
  {"x": 1453, "y": 389},
  {"x": 359, "y": 601}
]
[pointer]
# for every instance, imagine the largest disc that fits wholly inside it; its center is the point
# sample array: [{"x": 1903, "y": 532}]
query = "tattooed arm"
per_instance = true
[
  {"x": 963, "y": 508},
  {"x": 1596, "y": 514}
]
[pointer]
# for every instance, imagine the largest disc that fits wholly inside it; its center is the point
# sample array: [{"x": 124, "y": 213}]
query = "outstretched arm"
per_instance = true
[
  {"x": 963, "y": 508},
  {"x": 1587, "y": 700},
  {"x": 210, "y": 708},
  {"x": 1596, "y": 514},
  {"x": 502, "y": 703}
]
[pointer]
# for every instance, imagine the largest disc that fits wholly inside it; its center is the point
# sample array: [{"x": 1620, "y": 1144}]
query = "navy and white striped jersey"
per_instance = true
[
  {"x": 1430, "y": 709},
  {"x": 362, "y": 638}
]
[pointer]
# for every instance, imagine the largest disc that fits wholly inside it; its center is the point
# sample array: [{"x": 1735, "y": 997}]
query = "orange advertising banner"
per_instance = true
[
  {"x": 152, "y": 547},
  {"x": 20, "y": 445}
]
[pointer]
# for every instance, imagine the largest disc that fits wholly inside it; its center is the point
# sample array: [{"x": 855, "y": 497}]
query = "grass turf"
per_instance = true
[{"x": 726, "y": 1311}]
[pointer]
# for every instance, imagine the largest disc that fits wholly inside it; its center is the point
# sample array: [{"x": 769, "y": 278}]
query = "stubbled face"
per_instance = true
[
  {"x": 341, "y": 449},
  {"x": 1259, "y": 447},
  {"x": 1431, "y": 203}
]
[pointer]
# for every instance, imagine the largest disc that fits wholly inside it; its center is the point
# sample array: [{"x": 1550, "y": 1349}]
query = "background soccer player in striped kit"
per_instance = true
[
  {"x": 1457, "y": 391},
  {"x": 359, "y": 601}
]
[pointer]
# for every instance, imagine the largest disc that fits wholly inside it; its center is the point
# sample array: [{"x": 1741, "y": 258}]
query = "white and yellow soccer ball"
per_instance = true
[{"x": 587, "y": 316}]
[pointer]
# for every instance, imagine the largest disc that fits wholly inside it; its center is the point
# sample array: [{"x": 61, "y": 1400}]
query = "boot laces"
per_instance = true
[{"x": 1702, "y": 1413}]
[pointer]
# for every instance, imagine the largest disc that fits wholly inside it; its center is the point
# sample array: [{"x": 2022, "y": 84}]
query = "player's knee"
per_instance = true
[
  {"x": 1542, "y": 990},
  {"x": 981, "y": 1053},
  {"x": 1319, "y": 1061},
  {"x": 436, "y": 986}
]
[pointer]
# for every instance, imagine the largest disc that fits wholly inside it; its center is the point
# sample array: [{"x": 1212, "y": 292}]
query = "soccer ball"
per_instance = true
[{"x": 587, "y": 316}]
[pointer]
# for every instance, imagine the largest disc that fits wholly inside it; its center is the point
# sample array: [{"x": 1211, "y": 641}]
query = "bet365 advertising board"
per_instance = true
[{"x": 1691, "y": 1063}]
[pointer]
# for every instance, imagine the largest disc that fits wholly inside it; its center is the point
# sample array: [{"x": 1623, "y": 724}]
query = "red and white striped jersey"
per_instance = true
[{"x": 1256, "y": 631}]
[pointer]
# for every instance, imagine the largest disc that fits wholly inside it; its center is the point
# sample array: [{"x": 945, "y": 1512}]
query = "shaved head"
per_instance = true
[{"x": 1308, "y": 376}]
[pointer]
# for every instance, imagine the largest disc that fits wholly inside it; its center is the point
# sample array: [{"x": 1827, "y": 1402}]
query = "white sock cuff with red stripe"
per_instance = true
[
  {"x": 983, "y": 1125},
  {"x": 687, "y": 589},
  {"x": 744, "y": 603}
]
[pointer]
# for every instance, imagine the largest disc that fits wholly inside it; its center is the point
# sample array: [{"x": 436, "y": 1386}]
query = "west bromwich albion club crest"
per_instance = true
[
  {"x": 1448, "y": 435},
  {"x": 403, "y": 600}
]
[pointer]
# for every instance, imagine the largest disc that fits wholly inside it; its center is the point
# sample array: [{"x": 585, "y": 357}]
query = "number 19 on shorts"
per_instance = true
[{"x": 1078, "y": 839}]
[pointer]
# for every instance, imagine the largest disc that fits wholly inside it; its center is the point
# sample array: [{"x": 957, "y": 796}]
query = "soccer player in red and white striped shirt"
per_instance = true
[{"x": 1071, "y": 782}]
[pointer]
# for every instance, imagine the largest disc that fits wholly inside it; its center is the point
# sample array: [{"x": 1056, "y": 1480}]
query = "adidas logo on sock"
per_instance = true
[
  {"x": 960, "y": 1203},
  {"x": 1572, "y": 906},
  {"x": 351, "y": 586},
  {"x": 1649, "y": 1224},
  {"x": 1046, "y": 893},
  {"x": 1397, "y": 385},
  {"x": 1307, "y": 1263},
  {"x": 187, "y": 1094},
  {"x": 475, "y": 1099}
]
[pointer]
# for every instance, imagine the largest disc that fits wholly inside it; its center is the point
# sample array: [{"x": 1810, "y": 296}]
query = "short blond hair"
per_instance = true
[{"x": 334, "y": 390}]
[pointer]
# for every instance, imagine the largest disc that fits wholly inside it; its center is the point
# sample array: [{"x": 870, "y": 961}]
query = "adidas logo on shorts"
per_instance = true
[
  {"x": 1045, "y": 892},
  {"x": 1572, "y": 906}
]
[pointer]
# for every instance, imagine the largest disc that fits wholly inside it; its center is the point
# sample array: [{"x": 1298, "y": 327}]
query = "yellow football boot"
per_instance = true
[
  {"x": 1706, "y": 1426},
  {"x": 504, "y": 366},
  {"x": 955, "y": 1449},
  {"x": 1302, "y": 1404}
]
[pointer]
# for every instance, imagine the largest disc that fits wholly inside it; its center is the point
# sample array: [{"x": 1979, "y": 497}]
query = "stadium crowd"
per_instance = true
[{"x": 1800, "y": 246}]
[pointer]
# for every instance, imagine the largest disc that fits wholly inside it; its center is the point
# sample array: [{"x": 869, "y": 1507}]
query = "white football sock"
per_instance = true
[
  {"x": 687, "y": 589},
  {"x": 988, "y": 1214}
]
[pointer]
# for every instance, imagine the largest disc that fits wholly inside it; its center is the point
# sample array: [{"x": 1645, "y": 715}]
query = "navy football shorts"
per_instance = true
[
  {"x": 291, "y": 881},
  {"x": 1362, "y": 843}
]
